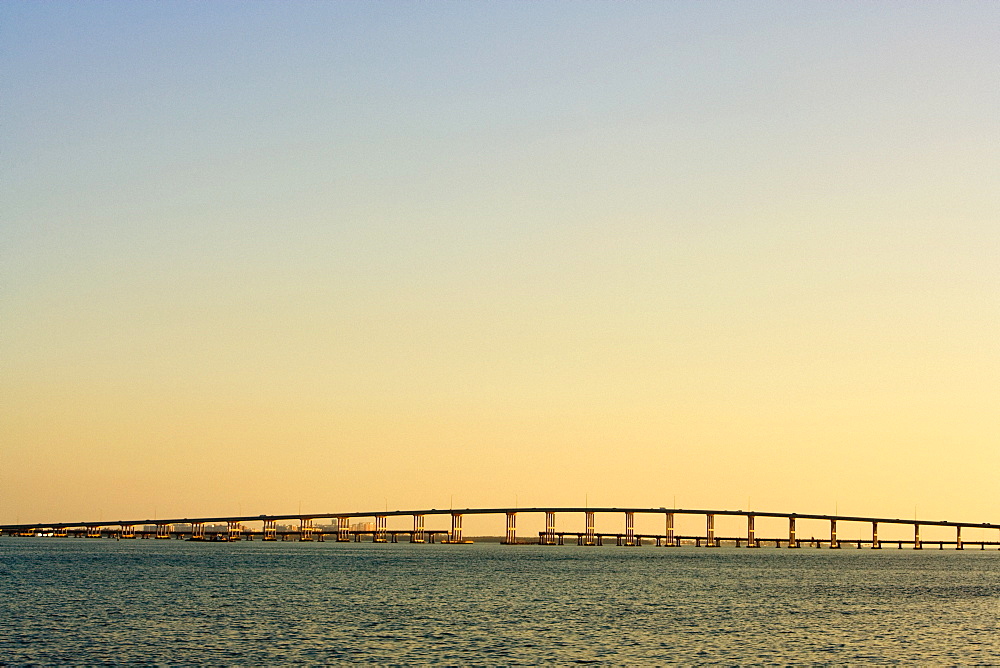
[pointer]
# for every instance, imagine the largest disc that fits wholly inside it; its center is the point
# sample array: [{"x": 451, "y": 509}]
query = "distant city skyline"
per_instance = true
[{"x": 347, "y": 256}]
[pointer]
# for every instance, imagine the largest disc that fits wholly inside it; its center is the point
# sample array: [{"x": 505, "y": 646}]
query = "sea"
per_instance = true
[{"x": 89, "y": 601}]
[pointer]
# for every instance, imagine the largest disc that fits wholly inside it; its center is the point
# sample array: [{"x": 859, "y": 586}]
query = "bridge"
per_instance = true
[{"x": 304, "y": 528}]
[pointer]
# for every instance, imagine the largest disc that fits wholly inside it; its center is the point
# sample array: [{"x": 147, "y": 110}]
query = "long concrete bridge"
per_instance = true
[{"x": 236, "y": 528}]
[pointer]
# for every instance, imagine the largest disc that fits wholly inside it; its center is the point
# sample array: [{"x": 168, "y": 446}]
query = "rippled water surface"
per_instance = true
[{"x": 104, "y": 601}]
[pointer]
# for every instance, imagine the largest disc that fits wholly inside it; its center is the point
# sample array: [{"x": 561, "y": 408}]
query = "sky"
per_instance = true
[{"x": 339, "y": 256}]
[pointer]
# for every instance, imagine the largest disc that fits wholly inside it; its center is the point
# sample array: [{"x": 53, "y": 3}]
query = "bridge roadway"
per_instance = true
[{"x": 550, "y": 536}]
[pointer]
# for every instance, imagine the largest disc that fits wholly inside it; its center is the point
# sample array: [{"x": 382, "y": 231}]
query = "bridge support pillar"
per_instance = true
[
  {"x": 127, "y": 531},
  {"x": 417, "y": 536},
  {"x": 270, "y": 530},
  {"x": 379, "y": 536},
  {"x": 343, "y": 530},
  {"x": 511, "y": 537},
  {"x": 93, "y": 531},
  {"x": 235, "y": 530},
  {"x": 710, "y": 530},
  {"x": 550, "y": 528},
  {"x": 916, "y": 538},
  {"x": 751, "y": 533},
  {"x": 589, "y": 537},
  {"x": 876, "y": 545},
  {"x": 305, "y": 528},
  {"x": 669, "y": 530},
  {"x": 792, "y": 542},
  {"x": 163, "y": 531},
  {"x": 958, "y": 538},
  {"x": 629, "y": 528},
  {"x": 834, "y": 543},
  {"x": 455, "y": 535},
  {"x": 197, "y": 531}
]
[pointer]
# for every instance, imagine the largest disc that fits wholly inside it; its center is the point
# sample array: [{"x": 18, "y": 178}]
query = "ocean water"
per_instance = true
[{"x": 253, "y": 603}]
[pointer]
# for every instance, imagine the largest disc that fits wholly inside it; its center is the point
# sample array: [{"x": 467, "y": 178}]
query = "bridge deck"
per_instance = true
[{"x": 498, "y": 511}]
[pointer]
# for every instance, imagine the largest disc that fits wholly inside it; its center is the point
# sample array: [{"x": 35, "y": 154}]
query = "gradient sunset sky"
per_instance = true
[{"x": 349, "y": 256}]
